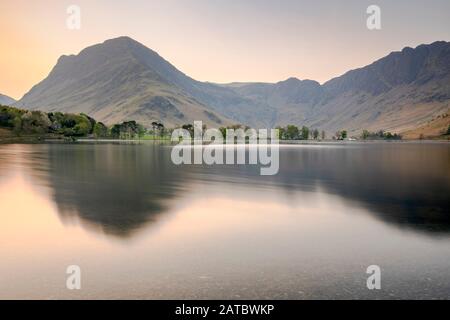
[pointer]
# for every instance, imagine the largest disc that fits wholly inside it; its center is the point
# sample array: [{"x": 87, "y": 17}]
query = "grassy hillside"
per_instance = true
[{"x": 438, "y": 127}]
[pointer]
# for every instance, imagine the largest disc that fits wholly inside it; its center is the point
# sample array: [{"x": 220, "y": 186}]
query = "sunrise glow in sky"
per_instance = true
[{"x": 218, "y": 40}]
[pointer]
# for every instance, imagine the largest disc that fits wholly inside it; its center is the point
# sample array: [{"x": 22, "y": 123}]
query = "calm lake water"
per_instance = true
[{"x": 140, "y": 227}]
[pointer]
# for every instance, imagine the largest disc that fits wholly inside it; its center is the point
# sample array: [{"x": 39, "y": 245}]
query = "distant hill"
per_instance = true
[
  {"x": 5, "y": 100},
  {"x": 397, "y": 93},
  {"x": 121, "y": 79}
]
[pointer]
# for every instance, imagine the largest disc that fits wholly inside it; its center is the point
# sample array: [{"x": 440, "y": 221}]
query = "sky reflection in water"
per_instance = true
[{"x": 141, "y": 227}]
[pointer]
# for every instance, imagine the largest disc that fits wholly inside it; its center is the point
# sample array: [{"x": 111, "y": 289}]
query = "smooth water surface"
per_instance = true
[{"x": 141, "y": 227}]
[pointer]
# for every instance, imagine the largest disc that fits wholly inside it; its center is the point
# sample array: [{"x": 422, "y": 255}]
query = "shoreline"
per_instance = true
[{"x": 50, "y": 140}]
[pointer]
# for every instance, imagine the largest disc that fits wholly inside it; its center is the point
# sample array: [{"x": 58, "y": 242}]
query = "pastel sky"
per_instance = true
[{"x": 218, "y": 40}]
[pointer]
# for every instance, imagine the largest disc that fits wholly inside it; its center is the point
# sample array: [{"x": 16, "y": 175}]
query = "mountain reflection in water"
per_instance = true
[
  {"x": 141, "y": 227},
  {"x": 119, "y": 188}
]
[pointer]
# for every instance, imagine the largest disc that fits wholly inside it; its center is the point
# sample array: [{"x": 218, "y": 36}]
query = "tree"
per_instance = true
[
  {"x": 292, "y": 132},
  {"x": 8, "y": 116},
  {"x": 91, "y": 120},
  {"x": 315, "y": 134},
  {"x": 82, "y": 129},
  {"x": 305, "y": 133},
  {"x": 83, "y": 126},
  {"x": 365, "y": 135},
  {"x": 380, "y": 134},
  {"x": 323, "y": 135},
  {"x": 128, "y": 129},
  {"x": 115, "y": 131},
  {"x": 448, "y": 129},
  {"x": 17, "y": 125},
  {"x": 341, "y": 135},
  {"x": 71, "y": 124},
  {"x": 154, "y": 126},
  {"x": 35, "y": 122},
  {"x": 100, "y": 130},
  {"x": 141, "y": 131},
  {"x": 161, "y": 129},
  {"x": 388, "y": 135},
  {"x": 281, "y": 132}
]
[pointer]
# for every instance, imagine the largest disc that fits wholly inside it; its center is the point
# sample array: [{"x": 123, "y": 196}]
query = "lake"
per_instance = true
[{"x": 140, "y": 227}]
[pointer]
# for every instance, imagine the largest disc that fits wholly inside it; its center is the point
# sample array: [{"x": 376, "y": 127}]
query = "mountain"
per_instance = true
[
  {"x": 121, "y": 79},
  {"x": 118, "y": 80},
  {"x": 5, "y": 100},
  {"x": 399, "y": 92}
]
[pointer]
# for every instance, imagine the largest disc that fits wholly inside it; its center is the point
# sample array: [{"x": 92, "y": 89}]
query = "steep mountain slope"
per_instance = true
[
  {"x": 398, "y": 92},
  {"x": 5, "y": 100},
  {"x": 437, "y": 127},
  {"x": 285, "y": 102},
  {"x": 121, "y": 79}
]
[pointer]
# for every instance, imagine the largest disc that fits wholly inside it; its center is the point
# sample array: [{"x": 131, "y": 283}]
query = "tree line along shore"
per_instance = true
[{"x": 25, "y": 125}]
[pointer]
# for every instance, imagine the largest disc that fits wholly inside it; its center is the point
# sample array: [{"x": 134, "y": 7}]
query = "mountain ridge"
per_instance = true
[
  {"x": 111, "y": 83},
  {"x": 6, "y": 100},
  {"x": 121, "y": 78}
]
